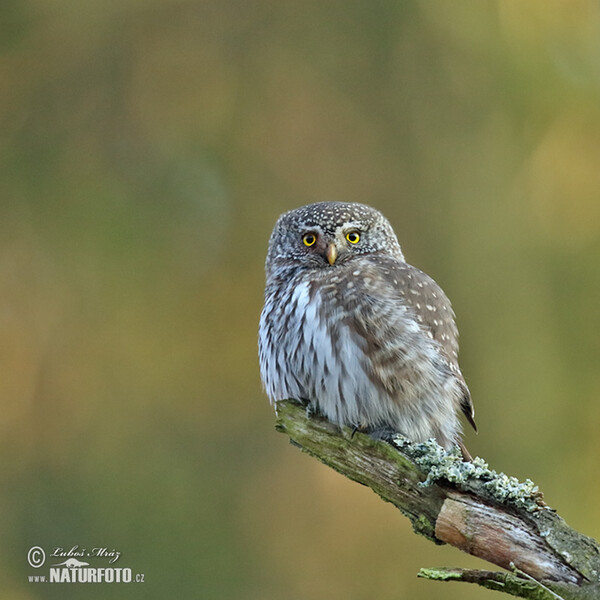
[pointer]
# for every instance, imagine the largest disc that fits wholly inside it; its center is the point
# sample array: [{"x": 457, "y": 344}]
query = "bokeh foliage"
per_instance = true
[{"x": 146, "y": 150}]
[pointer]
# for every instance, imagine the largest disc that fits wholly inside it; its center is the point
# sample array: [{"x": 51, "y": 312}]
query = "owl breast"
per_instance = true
[
  {"x": 312, "y": 356},
  {"x": 344, "y": 341}
]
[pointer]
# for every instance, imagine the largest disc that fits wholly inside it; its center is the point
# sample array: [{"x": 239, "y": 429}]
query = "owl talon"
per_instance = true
[
  {"x": 384, "y": 434},
  {"x": 359, "y": 427},
  {"x": 311, "y": 409}
]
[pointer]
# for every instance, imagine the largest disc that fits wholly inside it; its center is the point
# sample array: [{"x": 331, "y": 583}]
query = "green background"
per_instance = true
[{"x": 147, "y": 148}]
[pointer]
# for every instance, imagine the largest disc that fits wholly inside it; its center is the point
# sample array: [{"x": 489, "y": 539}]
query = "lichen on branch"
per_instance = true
[{"x": 465, "y": 504}]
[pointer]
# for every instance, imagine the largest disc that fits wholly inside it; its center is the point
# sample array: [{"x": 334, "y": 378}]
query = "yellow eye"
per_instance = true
[
  {"x": 309, "y": 239},
  {"x": 353, "y": 237}
]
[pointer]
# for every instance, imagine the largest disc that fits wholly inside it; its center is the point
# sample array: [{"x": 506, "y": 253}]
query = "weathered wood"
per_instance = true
[
  {"x": 466, "y": 505},
  {"x": 499, "y": 537}
]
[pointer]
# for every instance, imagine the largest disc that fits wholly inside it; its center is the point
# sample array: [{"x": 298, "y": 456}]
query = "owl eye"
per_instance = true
[
  {"x": 309, "y": 239},
  {"x": 353, "y": 237}
]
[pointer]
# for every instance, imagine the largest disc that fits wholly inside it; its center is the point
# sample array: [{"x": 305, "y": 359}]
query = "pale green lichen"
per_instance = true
[
  {"x": 440, "y": 574},
  {"x": 422, "y": 525},
  {"x": 440, "y": 465}
]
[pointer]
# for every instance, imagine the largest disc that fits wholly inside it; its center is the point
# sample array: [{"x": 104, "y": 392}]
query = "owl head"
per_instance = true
[{"x": 328, "y": 234}]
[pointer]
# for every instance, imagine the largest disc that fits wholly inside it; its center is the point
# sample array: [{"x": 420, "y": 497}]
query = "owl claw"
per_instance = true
[
  {"x": 311, "y": 409},
  {"x": 384, "y": 434},
  {"x": 359, "y": 427}
]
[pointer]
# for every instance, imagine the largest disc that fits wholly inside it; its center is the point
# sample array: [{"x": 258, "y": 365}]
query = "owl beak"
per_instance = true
[{"x": 331, "y": 253}]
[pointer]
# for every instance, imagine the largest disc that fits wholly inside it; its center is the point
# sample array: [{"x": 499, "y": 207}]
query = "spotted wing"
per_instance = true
[{"x": 434, "y": 313}]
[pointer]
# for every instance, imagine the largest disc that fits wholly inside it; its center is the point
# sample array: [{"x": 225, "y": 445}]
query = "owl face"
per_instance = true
[{"x": 328, "y": 234}]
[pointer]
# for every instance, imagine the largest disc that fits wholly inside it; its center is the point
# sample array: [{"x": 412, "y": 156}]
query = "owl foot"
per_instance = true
[
  {"x": 311, "y": 409},
  {"x": 360, "y": 427},
  {"x": 384, "y": 433},
  {"x": 355, "y": 428}
]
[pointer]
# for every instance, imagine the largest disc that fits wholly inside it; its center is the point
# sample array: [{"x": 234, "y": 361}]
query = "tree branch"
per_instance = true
[{"x": 465, "y": 504}]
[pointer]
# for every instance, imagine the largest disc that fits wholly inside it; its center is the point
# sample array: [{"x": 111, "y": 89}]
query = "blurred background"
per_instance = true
[{"x": 147, "y": 148}]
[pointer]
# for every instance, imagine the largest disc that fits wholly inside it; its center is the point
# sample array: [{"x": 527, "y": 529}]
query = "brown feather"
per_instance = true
[{"x": 433, "y": 311}]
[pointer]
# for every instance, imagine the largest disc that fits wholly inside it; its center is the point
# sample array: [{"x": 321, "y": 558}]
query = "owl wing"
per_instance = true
[{"x": 434, "y": 313}]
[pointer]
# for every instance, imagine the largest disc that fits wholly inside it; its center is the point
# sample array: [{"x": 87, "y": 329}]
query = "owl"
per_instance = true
[{"x": 354, "y": 331}]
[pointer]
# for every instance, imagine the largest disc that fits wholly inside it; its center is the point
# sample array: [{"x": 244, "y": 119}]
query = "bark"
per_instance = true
[{"x": 464, "y": 504}]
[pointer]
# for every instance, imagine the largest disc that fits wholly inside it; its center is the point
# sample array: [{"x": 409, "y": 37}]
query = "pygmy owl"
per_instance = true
[{"x": 349, "y": 327}]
